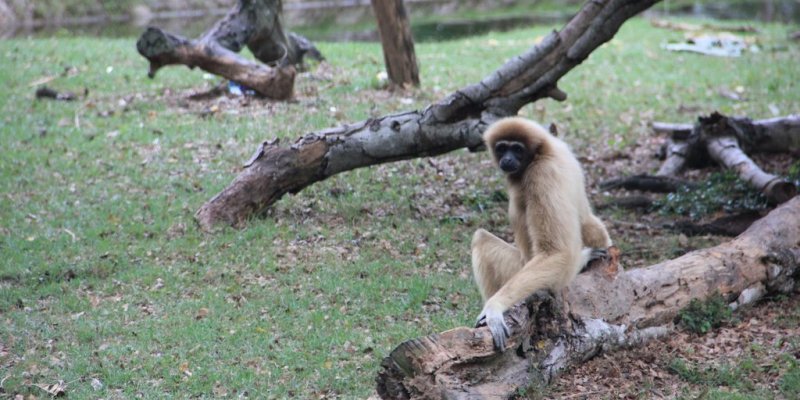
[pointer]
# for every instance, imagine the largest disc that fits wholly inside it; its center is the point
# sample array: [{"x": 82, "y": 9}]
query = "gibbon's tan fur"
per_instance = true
[{"x": 553, "y": 224}]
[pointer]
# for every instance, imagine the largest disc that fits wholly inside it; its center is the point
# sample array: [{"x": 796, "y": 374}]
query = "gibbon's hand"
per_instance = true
[
  {"x": 599, "y": 254},
  {"x": 595, "y": 254},
  {"x": 497, "y": 325}
]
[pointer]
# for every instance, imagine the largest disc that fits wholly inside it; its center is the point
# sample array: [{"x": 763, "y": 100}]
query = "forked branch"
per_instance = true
[{"x": 452, "y": 123}]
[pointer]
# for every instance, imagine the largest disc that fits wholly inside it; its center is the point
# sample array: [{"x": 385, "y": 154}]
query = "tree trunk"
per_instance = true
[
  {"x": 254, "y": 23},
  {"x": 603, "y": 309},
  {"x": 397, "y": 42},
  {"x": 453, "y": 123}
]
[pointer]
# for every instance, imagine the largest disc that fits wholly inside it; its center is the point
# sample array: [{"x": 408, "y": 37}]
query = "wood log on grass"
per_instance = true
[
  {"x": 453, "y": 123},
  {"x": 723, "y": 136},
  {"x": 602, "y": 310},
  {"x": 726, "y": 141},
  {"x": 252, "y": 23}
]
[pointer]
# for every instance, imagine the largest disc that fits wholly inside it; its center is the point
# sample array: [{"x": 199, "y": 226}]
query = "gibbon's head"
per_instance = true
[{"x": 514, "y": 143}]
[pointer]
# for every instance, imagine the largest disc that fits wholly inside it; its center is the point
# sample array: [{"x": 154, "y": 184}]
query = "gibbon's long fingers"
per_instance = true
[
  {"x": 589, "y": 255},
  {"x": 598, "y": 254},
  {"x": 497, "y": 326},
  {"x": 481, "y": 320},
  {"x": 541, "y": 272}
]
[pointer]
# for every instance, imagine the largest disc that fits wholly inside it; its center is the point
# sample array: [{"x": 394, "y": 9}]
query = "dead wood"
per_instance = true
[
  {"x": 602, "y": 310},
  {"x": 397, "y": 42},
  {"x": 725, "y": 141},
  {"x": 688, "y": 143},
  {"x": 642, "y": 203},
  {"x": 647, "y": 183},
  {"x": 45, "y": 92},
  {"x": 722, "y": 137},
  {"x": 729, "y": 225},
  {"x": 252, "y": 23},
  {"x": 453, "y": 123},
  {"x": 685, "y": 27}
]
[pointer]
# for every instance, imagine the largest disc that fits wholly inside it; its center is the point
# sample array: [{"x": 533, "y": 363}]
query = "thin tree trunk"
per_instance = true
[
  {"x": 601, "y": 310},
  {"x": 453, "y": 123},
  {"x": 397, "y": 42}
]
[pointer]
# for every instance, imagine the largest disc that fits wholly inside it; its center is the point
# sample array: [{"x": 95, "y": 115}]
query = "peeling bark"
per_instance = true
[
  {"x": 252, "y": 23},
  {"x": 601, "y": 310},
  {"x": 452, "y": 123}
]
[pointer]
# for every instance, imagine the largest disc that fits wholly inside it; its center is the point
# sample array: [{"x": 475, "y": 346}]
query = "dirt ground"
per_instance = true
[{"x": 755, "y": 342}]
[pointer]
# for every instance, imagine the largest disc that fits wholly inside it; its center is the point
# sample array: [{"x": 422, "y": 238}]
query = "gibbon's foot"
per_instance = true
[
  {"x": 497, "y": 325},
  {"x": 596, "y": 255}
]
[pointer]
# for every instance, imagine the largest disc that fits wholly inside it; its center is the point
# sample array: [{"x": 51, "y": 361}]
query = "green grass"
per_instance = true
[
  {"x": 740, "y": 378},
  {"x": 105, "y": 277}
]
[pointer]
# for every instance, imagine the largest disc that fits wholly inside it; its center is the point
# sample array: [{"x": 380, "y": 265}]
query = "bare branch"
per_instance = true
[{"x": 452, "y": 123}]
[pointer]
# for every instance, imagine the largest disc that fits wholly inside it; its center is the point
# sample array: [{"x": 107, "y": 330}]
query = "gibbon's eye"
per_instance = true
[
  {"x": 500, "y": 148},
  {"x": 517, "y": 148}
]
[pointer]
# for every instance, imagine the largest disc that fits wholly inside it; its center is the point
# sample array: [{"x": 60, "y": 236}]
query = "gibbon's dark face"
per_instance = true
[{"x": 512, "y": 157}]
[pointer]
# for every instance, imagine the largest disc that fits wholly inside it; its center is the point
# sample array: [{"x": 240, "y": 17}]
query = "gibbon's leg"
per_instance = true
[
  {"x": 541, "y": 272},
  {"x": 594, "y": 233},
  {"x": 494, "y": 262}
]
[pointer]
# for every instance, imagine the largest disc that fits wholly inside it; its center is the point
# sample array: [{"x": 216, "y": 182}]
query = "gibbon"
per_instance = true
[{"x": 555, "y": 232}]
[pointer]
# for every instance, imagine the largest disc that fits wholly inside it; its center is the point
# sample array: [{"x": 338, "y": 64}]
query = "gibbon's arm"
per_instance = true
[
  {"x": 541, "y": 272},
  {"x": 557, "y": 258}
]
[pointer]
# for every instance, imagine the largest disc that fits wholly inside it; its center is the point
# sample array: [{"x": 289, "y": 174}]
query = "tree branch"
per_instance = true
[
  {"x": 252, "y": 23},
  {"x": 452, "y": 123}
]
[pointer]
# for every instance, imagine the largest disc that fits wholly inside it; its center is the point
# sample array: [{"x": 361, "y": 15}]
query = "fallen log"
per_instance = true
[
  {"x": 252, "y": 23},
  {"x": 729, "y": 225},
  {"x": 453, "y": 123},
  {"x": 647, "y": 183},
  {"x": 725, "y": 141},
  {"x": 163, "y": 48},
  {"x": 722, "y": 137},
  {"x": 687, "y": 142},
  {"x": 602, "y": 310}
]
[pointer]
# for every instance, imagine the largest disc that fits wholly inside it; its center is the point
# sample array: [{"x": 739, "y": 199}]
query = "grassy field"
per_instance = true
[{"x": 107, "y": 286}]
